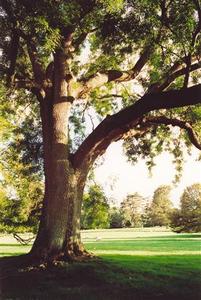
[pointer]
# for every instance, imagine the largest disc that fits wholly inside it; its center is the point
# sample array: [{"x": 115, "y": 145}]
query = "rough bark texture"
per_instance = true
[
  {"x": 59, "y": 232},
  {"x": 58, "y": 178}
]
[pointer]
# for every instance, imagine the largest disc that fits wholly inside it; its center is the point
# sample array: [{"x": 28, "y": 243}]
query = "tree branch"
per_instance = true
[
  {"x": 38, "y": 71},
  {"x": 175, "y": 122},
  {"x": 13, "y": 51},
  {"x": 112, "y": 128},
  {"x": 99, "y": 79},
  {"x": 161, "y": 86},
  {"x": 197, "y": 5},
  {"x": 24, "y": 84},
  {"x": 82, "y": 37},
  {"x": 110, "y": 96}
]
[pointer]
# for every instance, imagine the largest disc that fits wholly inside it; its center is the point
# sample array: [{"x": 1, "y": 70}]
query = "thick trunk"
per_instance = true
[
  {"x": 59, "y": 231},
  {"x": 58, "y": 181}
]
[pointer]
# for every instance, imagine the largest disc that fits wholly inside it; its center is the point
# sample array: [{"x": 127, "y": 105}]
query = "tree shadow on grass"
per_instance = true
[{"x": 111, "y": 277}]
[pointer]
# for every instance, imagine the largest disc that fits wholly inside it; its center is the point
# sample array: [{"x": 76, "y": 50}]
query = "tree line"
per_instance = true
[
  {"x": 97, "y": 212},
  {"x": 136, "y": 211}
]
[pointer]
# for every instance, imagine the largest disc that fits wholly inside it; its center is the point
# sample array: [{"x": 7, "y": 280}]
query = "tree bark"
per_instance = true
[
  {"x": 59, "y": 231},
  {"x": 73, "y": 246}
]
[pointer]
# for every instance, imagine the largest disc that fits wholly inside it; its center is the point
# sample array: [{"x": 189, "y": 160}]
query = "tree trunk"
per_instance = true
[{"x": 59, "y": 231}]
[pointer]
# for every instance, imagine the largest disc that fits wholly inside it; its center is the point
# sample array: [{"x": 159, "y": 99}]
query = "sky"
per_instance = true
[{"x": 119, "y": 177}]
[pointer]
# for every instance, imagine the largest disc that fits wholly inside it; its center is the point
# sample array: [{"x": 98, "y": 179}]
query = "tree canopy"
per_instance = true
[{"x": 155, "y": 43}]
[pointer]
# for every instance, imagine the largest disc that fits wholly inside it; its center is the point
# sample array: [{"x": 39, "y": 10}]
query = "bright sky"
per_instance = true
[{"x": 119, "y": 178}]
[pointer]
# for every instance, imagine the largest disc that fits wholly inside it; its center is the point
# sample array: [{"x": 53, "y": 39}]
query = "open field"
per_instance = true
[{"x": 134, "y": 264}]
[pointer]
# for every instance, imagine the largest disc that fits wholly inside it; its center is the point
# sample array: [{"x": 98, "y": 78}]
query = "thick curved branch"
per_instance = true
[
  {"x": 115, "y": 126},
  {"x": 175, "y": 122},
  {"x": 99, "y": 79}
]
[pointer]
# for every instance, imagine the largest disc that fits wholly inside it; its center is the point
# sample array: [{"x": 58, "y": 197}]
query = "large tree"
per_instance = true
[{"x": 153, "y": 44}]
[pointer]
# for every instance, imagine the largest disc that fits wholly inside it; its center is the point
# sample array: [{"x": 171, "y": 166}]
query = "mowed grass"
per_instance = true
[{"x": 133, "y": 264}]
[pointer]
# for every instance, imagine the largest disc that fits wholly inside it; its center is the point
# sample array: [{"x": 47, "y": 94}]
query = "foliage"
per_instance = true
[
  {"x": 132, "y": 209},
  {"x": 158, "y": 213},
  {"x": 21, "y": 212},
  {"x": 188, "y": 217},
  {"x": 21, "y": 168},
  {"x": 163, "y": 138},
  {"x": 116, "y": 218},
  {"x": 95, "y": 209}
]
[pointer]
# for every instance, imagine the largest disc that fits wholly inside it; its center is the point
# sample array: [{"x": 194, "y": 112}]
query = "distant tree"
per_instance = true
[
  {"x": 188, "y": 217},
  {"x": 116, "y": 218},
  {"x": 132, "y": 209},
  {"x": 95, "y": 209},
  {"x": 160, "y": 207}
]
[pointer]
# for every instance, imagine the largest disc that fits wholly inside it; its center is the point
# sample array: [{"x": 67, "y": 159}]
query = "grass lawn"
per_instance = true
[{"x": 133, "y": 264}]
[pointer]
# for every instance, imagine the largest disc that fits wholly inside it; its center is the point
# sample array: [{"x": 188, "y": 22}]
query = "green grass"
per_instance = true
[{"x": 134, "y": 264}]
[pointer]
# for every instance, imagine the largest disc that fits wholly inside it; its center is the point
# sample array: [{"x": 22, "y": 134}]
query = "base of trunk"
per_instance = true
[
  {"x": 77, "y": 253},
  {"x": 73, "y": 253}
]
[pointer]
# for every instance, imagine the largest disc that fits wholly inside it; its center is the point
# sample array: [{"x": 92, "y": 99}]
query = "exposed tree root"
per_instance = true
[{"x": 77, "y": 254}]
